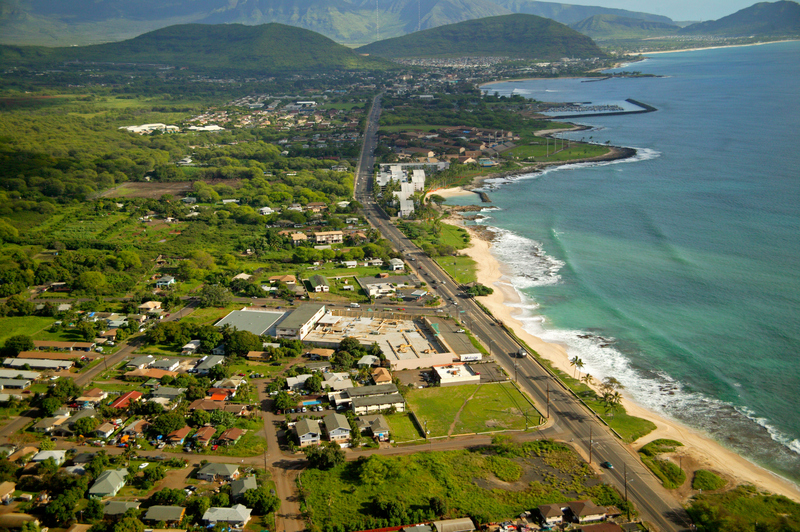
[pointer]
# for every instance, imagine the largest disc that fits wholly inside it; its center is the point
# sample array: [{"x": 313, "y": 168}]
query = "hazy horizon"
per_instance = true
[{"x": 678, "y": 10}]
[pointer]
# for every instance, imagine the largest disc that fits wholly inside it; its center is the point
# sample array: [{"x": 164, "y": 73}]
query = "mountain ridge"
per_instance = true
[{"x": 514, "y": 36}]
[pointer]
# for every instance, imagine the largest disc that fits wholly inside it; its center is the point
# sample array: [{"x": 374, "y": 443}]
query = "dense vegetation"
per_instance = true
[
  {"x": 232, "y": 48},
  {"x": 744, "y": 509},
  {"x": 601, "y": 27},
  {"x": 706, "y": 480},
  {"x": 513, "y": 36},
  {"x": 669, "y": 473}
]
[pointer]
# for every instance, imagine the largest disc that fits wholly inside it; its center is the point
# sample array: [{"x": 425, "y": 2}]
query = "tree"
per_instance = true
[
  {"x": 325, "y": 456},
  {"x": 439, "y": 506},
  {"x": 168, "y": 497},
  {"x": 610, "y": 384},
  {"x": 166, "y": 423},
  {"x": 239, "y": 343},
  {"x": 576, "y": 362},
  {"x": 197, "y": 506},
  {"x": 93, "y": 510},
  {"x": 199, "y": 418},
  {"x": 220, "y": 500},
  {"x": 85, "y": 426},
  {"x": 214, "y": 296},
  {"x": 87, "y": 330},
  {"x": 284, "y": 401},
  {"x": 480, "y": 290},
  {"x": 16, "y": 344},
  {"x": 47, "y": 467},
  {"x": 129, "y": 524},
  {"x": 221, "y": 417},
  {"x": 64, "y": 389},
  {"x": 49, "y": 405},
  {"x": 154, "y": 473},
  {"x": 91, "y": 281},
  {"x": 588, "y": 379},
  {"x": 261, "y": 501},
  {"x": 314, "y": 383}
]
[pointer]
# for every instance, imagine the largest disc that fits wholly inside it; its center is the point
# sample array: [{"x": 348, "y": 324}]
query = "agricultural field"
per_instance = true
[
  {"x": 488, "y": 484},
  {"x": 471, "y": 408}
]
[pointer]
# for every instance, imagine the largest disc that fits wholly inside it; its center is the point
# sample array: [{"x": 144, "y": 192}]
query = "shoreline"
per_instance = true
[
  {"x": 716, "y": 47},
  {"x": 699, "y": 449}
]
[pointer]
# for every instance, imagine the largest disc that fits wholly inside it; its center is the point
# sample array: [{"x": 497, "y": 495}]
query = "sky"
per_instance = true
[{"x": 678, "y": 10}]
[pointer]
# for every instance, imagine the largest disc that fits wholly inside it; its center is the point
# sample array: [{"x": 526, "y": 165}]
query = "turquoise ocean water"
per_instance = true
[{"x": 678, "y": 271}]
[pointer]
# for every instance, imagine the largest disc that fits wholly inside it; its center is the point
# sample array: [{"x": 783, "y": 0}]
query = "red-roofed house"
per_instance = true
[
  {"x": 179, "y": 435},
  {"x": 230, "y": 436},
  {"x": 204, "y": 435},
  {"x": 126, "y": 399},
  {"x": 219, "y": 397}
]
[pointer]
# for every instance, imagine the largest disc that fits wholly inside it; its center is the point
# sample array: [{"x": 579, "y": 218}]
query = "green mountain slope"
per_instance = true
[
  {"x": 607, "y": 27},
  {"x": 268, "y": 48},
  {"x": 80, "y": 22},
  {"x": 571, "y": 14},
  {"x": 514, "y": 36},
  {"x": 762, "y": 19}
]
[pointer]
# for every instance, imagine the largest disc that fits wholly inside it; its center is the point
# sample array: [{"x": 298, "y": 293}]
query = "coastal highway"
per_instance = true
[{"x": 569, "y": 420}]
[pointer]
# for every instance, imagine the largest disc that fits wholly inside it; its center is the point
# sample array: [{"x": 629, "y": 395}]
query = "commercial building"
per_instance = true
[
  {"x": 298, "y": 324},
  {"x": 257, "y": 321},
  {"x": 385, "y": 285},
  {"x": 455, "y": 374}
]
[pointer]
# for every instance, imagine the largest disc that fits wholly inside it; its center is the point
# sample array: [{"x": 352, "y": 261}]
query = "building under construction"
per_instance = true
[{"x": 407, "y": 343}]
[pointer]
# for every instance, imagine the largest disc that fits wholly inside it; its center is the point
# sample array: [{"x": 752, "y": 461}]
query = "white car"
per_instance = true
[{"x": 142, "y": 466}]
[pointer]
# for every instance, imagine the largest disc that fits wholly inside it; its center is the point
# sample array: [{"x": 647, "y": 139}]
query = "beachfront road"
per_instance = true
[{"x": 569, "y": 420}]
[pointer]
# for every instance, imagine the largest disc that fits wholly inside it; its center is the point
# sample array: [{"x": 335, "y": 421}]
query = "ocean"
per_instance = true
[{"x": 676, "y": 271}]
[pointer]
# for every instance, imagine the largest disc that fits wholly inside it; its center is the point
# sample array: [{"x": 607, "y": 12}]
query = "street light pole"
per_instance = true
[{"x": 591, "y": 443}]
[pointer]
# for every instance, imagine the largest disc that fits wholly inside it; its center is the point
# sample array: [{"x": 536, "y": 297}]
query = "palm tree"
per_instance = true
[
  {"x": 588, "y": 379},
  {"x": 577, "y": 363},
  {"x": 612, "y": 400},
  {"x": 611, "y": 384}
]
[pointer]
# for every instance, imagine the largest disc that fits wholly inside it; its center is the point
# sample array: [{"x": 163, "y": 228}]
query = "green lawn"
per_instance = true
[
  {"x": 26, "y": 325},
  {"x": 461, "y": 268},
  {"x": 543, "y": 151},
  {"x": 496, "y": 407},
  {"x": 402, "y": 427}
]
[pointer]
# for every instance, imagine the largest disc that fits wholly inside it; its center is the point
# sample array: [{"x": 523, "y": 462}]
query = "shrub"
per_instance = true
[{"x": 707, "y": 481}]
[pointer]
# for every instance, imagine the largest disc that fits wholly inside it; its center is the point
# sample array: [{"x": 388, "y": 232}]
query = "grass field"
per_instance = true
[
  {"x": 542, "y": 150},
  {"x": 496, "y": 407},
  {"x": 402, "y": 428},
  {"x": 26, "y": 325},
  {"x": 482, "y": 408},
  {"x": 471, "y": 484}
]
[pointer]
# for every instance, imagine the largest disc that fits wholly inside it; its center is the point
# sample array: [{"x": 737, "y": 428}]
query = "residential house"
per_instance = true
[
  {"x": 337, "y": 381},
  {"x": 368, "y": 360},
  {"x": 93, "y": 396},
  {"x": 105, "y": 430},
  {"x": 230, "y": 436},
  {"x": 136, "y": 429},
  {"x": 396, "y": 265},
  {"x": 150, "y": 305},
  {"x": 167, "y": 364},
  {"x": 191, "y": 347},
  {"x": 375, "y": 426},
  {"x": 170, "y": 393},
  {"x": 212, "y": 472},
  {"x": 116, "y": 509},
  {"x": 286, "y": 279},
  {"x": 337, "y": 427},
  {"x": 320, "y": 354},
  {"x": 236, "y": 516},
  {"x": 126, "y": 399},
  {"x": 319, "y": 284},
  {"x": 7, "y": 491},
  {"x": 297, "y": 383},
  {"x": 59, "y": 456},
  {"x": 308, "y": 432},
  {"x": 374, "y": 262},
  {"x": 204, "y": 435},
  {"x": 206, "y": 363},
  {"x": 165, "y": 282},
  {"x": 551, "y": 514},
  {"x": 380, "y": 403},
  {"x": 171, "y": 515},
  {"x": 298, "y": 239},
  {"x": 586, "y": 511},
  {"x": 328, "y": 237},
  {"x": 141, "y": 362},
  {"x": 381, "y": 376},
  {"x": 178, "y": 436},
  {"x": 240, "y": 486},
  {"x": 108, "y": 483},
  {"x": 208, "y": 405},
  {"x": 350, "y": 263}
]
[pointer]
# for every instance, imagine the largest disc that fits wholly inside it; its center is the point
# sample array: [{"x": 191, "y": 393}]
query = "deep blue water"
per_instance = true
[{"x": 686, "y": 258}]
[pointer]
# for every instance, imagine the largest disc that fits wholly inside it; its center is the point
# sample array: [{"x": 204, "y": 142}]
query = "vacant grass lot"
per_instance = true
[
  {"x": 402, "y": 428},
  {"x": 544, "y": 151},
  {"x": 482, "y": 408},
  {"x": 27, "y": 325},
  {"x": 496, "y": 407},
  {"x": 470, "y": 482}
]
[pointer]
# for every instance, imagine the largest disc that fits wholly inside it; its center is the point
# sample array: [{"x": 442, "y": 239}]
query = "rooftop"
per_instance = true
[
  {"x": 258, "y": 322},
  {"x": 301, "y": 315}
]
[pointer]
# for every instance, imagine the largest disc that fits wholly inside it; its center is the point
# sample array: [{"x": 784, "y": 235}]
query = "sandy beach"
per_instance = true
[
  {"x": 699, "y": 451},
  {"x": 714, "y": 47}
]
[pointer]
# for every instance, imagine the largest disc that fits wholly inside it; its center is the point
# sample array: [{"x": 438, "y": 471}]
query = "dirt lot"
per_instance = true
[{"x": 412, "y": 376}]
